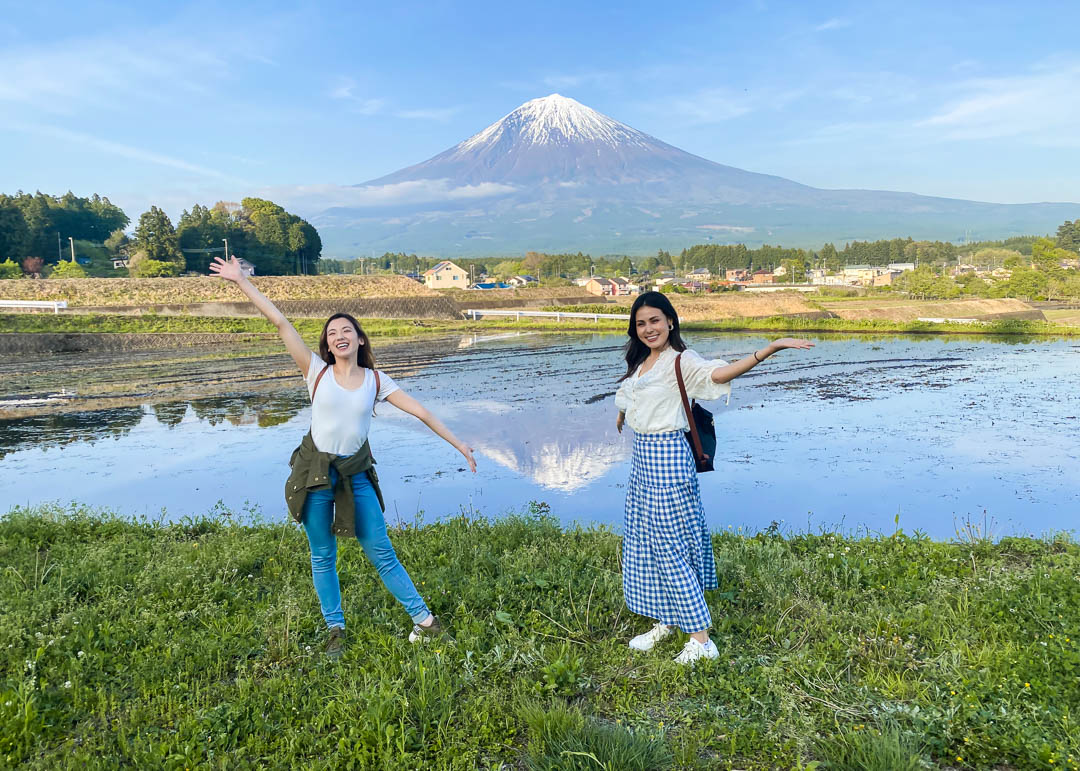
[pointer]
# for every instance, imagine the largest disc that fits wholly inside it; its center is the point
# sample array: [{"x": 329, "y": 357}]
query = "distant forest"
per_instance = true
[
  {"x": 35, "y": 230},
  {"x": 715, "y": 257}
]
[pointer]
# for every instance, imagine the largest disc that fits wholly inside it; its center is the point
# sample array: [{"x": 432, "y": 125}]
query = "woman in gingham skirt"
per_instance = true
[{"x": 667, "y": 558}]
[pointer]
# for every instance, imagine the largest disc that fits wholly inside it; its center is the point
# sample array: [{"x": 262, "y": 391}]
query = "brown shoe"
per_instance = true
[
  {"x": 335, "y": 646},
  {"x": 427, "y": 633}
]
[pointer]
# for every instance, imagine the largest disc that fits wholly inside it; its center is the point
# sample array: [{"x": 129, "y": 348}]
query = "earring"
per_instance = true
[{"x": 670, "y": 327}]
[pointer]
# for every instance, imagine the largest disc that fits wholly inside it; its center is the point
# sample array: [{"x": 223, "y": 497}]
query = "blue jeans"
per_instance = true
[{"x": 371, "y": 533}]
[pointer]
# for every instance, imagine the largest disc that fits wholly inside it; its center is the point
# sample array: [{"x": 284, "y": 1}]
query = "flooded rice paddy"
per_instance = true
[{"x": 940, "y": 431}]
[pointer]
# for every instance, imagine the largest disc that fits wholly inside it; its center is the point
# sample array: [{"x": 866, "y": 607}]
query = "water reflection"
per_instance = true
[
  {"x": 62, "y": 429},
  {"x": 558, "y": 447},
  {"x": 852, "y": 431}
]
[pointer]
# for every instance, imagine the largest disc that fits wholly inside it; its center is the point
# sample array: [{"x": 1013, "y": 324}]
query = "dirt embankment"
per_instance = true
[
  {"x": 740, "y": 306},
  {"x": 83, "y": 292},
  {"x": 910, "y": 310}
]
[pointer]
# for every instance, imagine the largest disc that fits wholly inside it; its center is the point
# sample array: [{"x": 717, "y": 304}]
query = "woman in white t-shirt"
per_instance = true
[
  {"x": 667, "y": 558},
  {"x": 332, "y": 468}
]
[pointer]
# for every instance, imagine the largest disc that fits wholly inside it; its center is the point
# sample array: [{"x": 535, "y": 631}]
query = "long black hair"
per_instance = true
[
  {"x": 637, "y": 351},
  {"x": 365, "y": 357}
]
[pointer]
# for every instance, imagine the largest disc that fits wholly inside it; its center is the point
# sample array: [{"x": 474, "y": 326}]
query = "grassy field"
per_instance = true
[
  {"x": 193, "y": 289},
  {"x": 1068, "y": 317},
  {"x": 310, "y": 328},
  {"x": 198, "y": 645}
]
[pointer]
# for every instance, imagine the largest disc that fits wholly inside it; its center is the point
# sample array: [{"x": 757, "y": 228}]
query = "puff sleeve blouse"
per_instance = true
[{"x": 651, "y": 401}]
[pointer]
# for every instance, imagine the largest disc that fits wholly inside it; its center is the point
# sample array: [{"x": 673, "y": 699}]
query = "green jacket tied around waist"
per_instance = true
[{"x": 311, "y": 471}]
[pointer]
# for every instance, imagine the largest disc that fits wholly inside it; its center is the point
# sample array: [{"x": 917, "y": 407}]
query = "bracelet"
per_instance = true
[{"x": 757, "y": 359}]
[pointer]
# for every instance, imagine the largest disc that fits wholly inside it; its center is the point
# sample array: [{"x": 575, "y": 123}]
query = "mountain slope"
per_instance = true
[{"x": 555, "y": 175}]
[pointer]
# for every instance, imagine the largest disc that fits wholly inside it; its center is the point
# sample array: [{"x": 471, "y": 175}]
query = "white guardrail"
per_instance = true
[
  {"x": 475, "y": 313},
  {"x": 56, "y": 305}
]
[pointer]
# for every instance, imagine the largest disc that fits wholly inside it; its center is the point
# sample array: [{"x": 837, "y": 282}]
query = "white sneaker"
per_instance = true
[
  {"x": 647, "y": 641},
  {"x": 693, "y": 650}
]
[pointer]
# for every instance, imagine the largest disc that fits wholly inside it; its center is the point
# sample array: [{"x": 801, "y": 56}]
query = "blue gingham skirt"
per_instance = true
[{"x": 667, "y": 557}]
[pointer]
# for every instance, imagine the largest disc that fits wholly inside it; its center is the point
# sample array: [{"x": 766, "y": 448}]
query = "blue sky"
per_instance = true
[{"x": 191, "y": 103}]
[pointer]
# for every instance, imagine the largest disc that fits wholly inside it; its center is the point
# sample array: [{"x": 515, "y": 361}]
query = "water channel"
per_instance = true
[{"x": 943, "y": 432}]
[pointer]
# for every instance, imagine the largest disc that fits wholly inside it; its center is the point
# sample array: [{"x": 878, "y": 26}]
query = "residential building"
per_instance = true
[
  {"x": 861, "y": 274},
  {"x": 601, "y": 286},
  {"x": 886, "y": 278},
  {"x": 699, "y": 274},
  {"x": 446, "y": 275},
  {"x": 816, "y": 275},
  {"x": 737, "y": 274},
  {"x": 780, "y": 270},
  {"x": 901, "y": 266},
  {"x": 763, "y": 277},
  {"x": 491, "y": 285},
  {"x": 522, "y": 281}
]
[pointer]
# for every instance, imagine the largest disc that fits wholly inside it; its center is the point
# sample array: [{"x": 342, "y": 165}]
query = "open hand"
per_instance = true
[
  {"x": 228, "y": 269},
  {"x": 790, "y": 342}
]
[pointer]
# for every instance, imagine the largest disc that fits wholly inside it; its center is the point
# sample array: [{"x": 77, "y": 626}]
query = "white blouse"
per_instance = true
[
  {"x": 652, "y": 402},
  {"x": 341, "y": 419}
]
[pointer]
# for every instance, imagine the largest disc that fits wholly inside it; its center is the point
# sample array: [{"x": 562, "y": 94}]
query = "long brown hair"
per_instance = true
[
  {"x": 365, "y": 357},
  {"x": 637, "y": 351}
]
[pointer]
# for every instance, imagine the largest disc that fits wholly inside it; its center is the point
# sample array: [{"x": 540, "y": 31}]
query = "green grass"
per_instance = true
[
  {"x": 104, "y": 323},
  {"x": 47, "y": 322},
  {"x": 197, "y": 644}
]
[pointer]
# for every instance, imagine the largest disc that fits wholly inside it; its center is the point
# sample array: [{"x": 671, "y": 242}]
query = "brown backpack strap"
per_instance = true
[
  {"x": 318, "y": 378},
  {"x": 695, "y": 440}
]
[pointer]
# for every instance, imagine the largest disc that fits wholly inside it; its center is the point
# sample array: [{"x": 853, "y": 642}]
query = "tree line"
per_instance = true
[{"x": 34, "y": 233}]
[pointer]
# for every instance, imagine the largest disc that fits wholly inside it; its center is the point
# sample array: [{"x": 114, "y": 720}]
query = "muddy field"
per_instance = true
[
  {"x": 731, "y": 305},
  {"x": 909, "y": 310}
]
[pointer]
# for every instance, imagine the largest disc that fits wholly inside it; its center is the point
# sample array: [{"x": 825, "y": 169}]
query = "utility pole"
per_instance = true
[
  {"x": 226, "y": 248},
  {"x": 72, "y": 242}
]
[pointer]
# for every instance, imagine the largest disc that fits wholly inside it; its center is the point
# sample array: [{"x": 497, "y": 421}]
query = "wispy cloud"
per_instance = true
[
  {"x": 578, "y": 79},
  {"x": 64, "y": 78},
  {"x": 716, "y": 105},
  {"x": 316, "y": 198},
  {"x": 440, "y": 114},
  {"x": 349, "y": 92},
  {"x": 1036, "y": 106},
  {"x": 345, "y": 91},
  {"x": 834, "y": 23},
  {"x": 116, "y": 148}
]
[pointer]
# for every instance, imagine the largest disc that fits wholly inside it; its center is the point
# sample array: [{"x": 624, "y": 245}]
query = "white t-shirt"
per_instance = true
[
  {"x": 341, "y": 419},
  {"x": 652, "y": 402}
]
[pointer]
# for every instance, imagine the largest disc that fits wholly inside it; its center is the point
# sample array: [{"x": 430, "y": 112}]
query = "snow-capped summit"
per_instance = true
[{"x": 558, "y": 120}]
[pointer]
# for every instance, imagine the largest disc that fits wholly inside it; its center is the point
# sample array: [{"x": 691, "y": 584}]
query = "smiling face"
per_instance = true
[
  {"x": 651, "y": 326},
  {"x": 342, "y": 339}
]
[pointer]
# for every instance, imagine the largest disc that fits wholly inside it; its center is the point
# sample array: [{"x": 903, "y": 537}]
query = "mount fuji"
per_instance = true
[{"x": 555, "y": 175}]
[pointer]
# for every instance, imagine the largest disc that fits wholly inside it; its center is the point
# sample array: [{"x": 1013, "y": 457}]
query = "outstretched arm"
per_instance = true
[
  {"x": 294, "y": 344},
  {"x": 406, "y": 403},
  {"x": 731, "y": 371}
]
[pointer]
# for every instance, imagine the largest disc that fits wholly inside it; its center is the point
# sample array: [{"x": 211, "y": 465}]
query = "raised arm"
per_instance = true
[
  {"x": 731, "y": 371},
  {"x": 294, "y": 344},
  {"x": 406, "y": 403}
]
